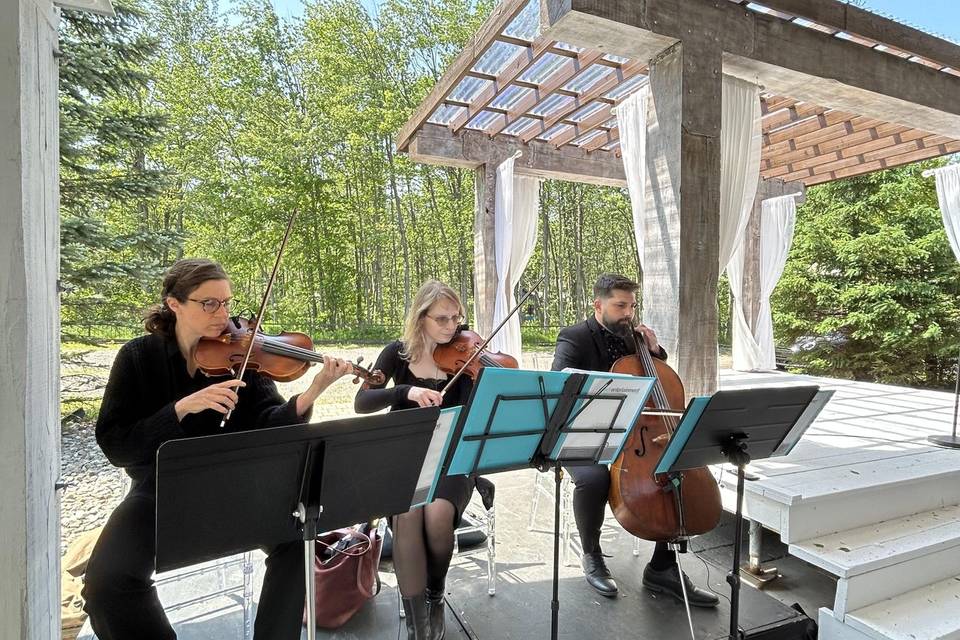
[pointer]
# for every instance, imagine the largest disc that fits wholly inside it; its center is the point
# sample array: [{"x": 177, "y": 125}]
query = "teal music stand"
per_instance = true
[{"x": 517, "y": 419}]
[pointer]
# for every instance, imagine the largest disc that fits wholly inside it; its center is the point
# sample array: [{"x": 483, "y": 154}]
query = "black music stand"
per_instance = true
[
  {"x": 229, "y": 493},
  {"x": 520, "y": 419},
  {"x": 735, "y": 427}
]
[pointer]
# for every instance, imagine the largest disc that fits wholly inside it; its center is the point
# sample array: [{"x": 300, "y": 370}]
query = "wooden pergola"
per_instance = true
[{"x": 844, "y": 92}]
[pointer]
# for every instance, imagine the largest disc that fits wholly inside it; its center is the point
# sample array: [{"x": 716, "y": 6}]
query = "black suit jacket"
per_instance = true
[{"x": 582, "y": 346}]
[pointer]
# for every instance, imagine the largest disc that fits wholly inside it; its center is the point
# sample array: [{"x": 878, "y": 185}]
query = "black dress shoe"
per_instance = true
[
  {"x": 597, "y": 574},
  {"x": 667, "y": 581}
]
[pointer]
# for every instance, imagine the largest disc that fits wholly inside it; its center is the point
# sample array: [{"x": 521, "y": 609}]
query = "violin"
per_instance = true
[
  {"x": 283, "y": 357},
  {"x": 650, "y": 506},
  {"x": 461, "y": 355}
]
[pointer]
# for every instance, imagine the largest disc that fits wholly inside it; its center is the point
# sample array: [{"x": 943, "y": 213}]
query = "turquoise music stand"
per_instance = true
[{"x": 517, "y": 419}]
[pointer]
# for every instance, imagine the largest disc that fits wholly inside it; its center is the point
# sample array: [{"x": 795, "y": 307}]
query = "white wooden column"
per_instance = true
[{"x": 29, "y": 322}]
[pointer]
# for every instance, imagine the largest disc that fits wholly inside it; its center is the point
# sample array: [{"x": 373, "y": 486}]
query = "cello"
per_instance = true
[{"x": 648, "y": 506}]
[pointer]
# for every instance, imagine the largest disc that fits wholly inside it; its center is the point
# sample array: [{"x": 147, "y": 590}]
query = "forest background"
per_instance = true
[{"x": 190, "y": 129}]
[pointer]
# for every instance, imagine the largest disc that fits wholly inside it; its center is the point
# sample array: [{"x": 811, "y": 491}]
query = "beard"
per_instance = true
[{"x": 621, "y": 328}]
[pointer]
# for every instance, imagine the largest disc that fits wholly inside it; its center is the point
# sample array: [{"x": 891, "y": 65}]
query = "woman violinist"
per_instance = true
[
  {"x": 156, "y": 393},
  {"x": 423, "y": 537}
]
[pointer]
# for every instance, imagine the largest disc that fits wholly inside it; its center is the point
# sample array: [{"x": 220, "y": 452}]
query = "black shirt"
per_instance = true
[
  {"x": 374, "y": 398},
  {"x": 137, "y": 414}
]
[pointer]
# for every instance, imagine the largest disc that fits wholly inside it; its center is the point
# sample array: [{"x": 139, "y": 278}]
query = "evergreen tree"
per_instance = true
[
  {"x": 871, "y": 274},
  {"x": 110, "y": 241}
]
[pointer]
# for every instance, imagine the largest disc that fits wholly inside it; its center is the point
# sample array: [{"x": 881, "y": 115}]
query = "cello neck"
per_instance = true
[{"x": 658, "y": 395}]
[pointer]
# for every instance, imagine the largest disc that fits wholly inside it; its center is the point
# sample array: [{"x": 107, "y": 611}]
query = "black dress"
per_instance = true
[
  {"x": 454, "y": 489},
  {"x": 137, "y": 415}
]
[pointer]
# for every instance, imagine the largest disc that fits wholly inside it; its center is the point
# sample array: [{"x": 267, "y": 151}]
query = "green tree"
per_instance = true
[
  {"x": 110, "y": 243},
  {"x": 871, "y": 266}
]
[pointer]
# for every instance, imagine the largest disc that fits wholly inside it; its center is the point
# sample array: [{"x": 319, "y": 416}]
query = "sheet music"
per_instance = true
[
  {"x": 598, "y": 414},
  {"x": 436, "y": 452}
]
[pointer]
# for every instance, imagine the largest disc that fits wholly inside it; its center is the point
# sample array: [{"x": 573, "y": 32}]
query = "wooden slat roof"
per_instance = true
[{"x": 519, "y": 85}]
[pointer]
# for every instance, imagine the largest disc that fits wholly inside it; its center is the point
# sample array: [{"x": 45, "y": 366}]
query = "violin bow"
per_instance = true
[
  {"x": 483, "y": 345},
  {"x": 263, "y": 306}
]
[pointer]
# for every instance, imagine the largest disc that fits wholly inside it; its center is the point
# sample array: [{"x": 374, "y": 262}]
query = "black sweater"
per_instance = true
[
  {"x": 397, "y": 369},
  {"x": 137, "y": 415}
]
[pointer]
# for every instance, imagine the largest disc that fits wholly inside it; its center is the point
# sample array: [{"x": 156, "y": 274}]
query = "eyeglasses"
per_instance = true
[
  {"x": 443, "y": 321},
  {"x": 212, "y": 305}
]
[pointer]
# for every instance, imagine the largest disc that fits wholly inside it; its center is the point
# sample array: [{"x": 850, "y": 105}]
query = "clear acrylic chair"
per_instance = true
[
  {"x": 240, "y": 589},
  {"x": 543, "y": 485}
]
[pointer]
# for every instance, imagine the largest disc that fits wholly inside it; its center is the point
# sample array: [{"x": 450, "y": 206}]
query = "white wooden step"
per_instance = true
[
  {"x": 845, "y": 492},
  {"x": 884, "y": 560},
  {"x": 884, "y": 544},
  {"x": 931, "y": 612}
]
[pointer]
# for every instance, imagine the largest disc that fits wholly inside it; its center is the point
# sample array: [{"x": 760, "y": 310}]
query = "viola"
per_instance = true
[
  {"x": 650, "y": 506},
  {"x": 283, "y": 357},
  {"x": 461, "y": 355}
]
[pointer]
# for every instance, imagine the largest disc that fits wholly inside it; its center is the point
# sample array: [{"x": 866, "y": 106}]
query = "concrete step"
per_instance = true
[
  {"x": 931, "y": 612},
  {"x": 883, "y": 560}
]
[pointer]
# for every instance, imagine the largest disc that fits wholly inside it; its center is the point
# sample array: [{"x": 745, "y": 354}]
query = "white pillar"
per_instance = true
[{"x": 29, "y": 322}]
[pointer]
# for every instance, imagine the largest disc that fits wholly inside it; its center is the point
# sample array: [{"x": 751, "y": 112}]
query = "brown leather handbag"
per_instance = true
[{"x": 345, "y": 573}]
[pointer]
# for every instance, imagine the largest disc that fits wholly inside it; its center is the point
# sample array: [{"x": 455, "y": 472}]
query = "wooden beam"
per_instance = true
[
  {"x": 607, "y": 137},
  {"x": 787, "y": 59},
  {"x": 607, "y": 84},
  {"x": 500, "y": 17},
  {"x": 522, "y": 61},
  {"x": 30, "y": 346},
  {"x": 854, "y": 20},
  {"x": 789, "y": 115},
  {"x": 434, "y": 144},
  {"x": 887, "y": 158},
  {"x": 570, "y": 69},
  {"x": 583, "y": 127}
]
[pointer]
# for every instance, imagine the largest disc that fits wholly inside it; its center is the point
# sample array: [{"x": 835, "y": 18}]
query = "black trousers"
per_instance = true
[
  {"x": 122, "y": 602},
  {"x": 592, "y": 486}
]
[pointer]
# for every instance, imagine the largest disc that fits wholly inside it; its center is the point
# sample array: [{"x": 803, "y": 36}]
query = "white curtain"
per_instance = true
[
  {"x": 632, "y": 123},
  {"x": 754, "y": 351},
  {"x": 948, "y": 193},
  {"x": 517, "y": 201},
  {"x": 740, "y": 138}
]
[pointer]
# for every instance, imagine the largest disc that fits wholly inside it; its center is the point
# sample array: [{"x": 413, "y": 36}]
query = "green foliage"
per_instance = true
[
  {"x": 110, "y": 239},
  {"x": 206, "y": 139},
  {"x": 871, "y": 263}
]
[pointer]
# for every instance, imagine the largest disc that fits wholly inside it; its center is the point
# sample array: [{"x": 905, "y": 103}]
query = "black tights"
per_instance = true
[
  {"x": 423, "y": 547},
  {"x": 592, "y": 486}
]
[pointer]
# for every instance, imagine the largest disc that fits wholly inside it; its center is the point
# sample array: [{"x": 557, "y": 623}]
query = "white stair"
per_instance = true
[
  {"x": 931, "y": 612},
  {"x": 865, "y": 497},
  {"x": 841, "y": 492},
  {"x": 881, "y": 561}
]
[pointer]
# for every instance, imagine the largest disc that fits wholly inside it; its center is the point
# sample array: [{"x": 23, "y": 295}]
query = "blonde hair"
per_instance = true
[{"x": 414, "y": 340}]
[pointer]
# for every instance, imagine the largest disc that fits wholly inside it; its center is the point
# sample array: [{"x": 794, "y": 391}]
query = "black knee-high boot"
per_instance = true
[
  {"x": 417, "y": 617},
  {"x": 437, "y": 611}
]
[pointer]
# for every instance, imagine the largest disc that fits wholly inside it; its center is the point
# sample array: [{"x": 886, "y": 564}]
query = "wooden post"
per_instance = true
[
  {"x": 484, "y": 247},
  {"x": 683, "y": 203},
  {"x": 30, "y": 340},
  {"x": 771, "y": 188}
]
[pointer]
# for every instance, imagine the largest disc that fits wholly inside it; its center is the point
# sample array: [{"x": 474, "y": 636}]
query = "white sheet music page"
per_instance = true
[
  {"x": 599, "y": 414},
  {"x": 436, "y": 452}
]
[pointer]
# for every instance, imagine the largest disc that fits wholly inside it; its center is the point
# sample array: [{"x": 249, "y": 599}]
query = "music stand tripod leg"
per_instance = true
[
  {"x": 555, "y": 603},
  {"x": 309, "y": 553},
  {"x": 735, "y": 450}
]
